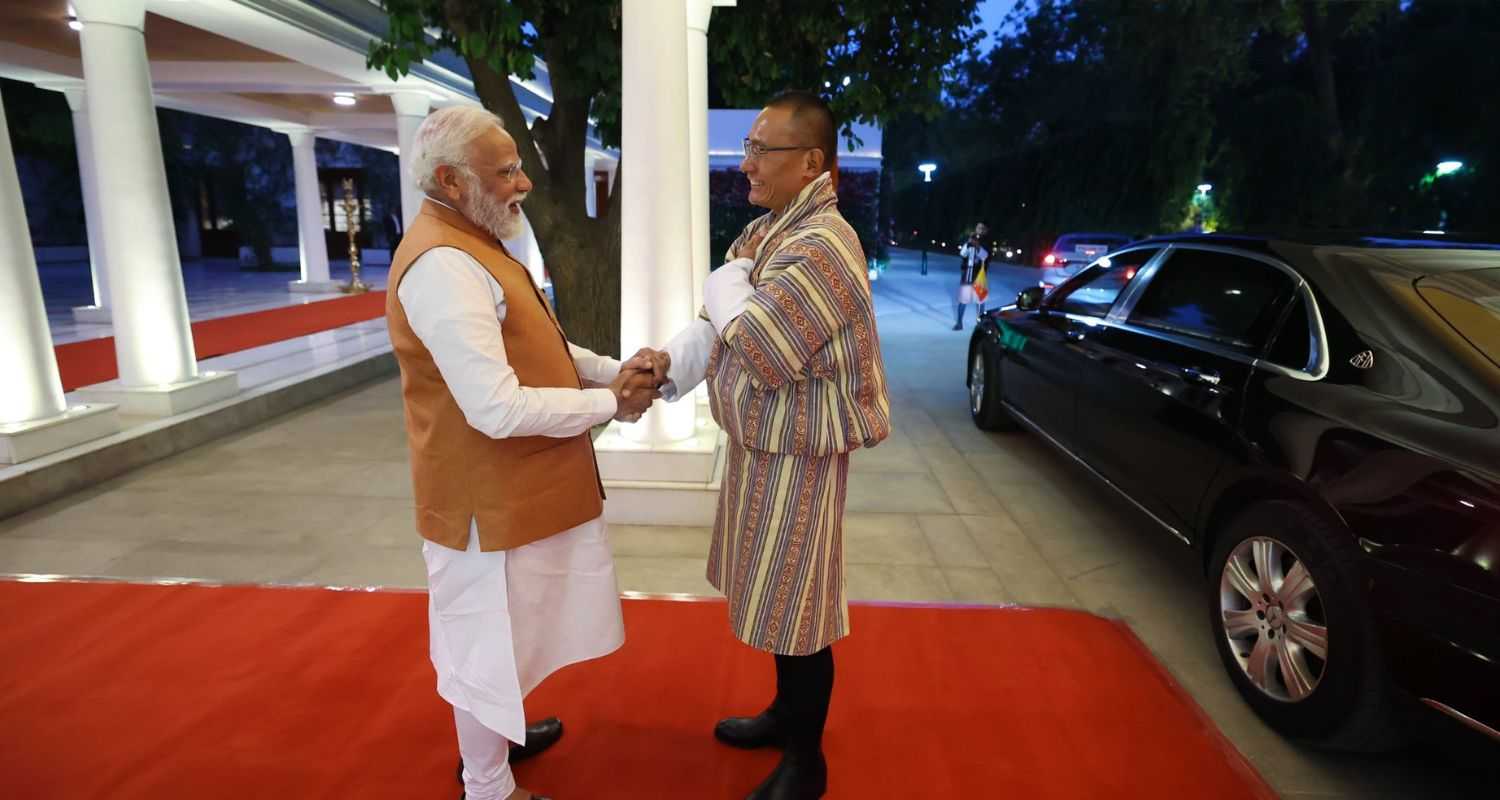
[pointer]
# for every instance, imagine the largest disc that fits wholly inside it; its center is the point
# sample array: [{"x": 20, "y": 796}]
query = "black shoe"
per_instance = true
[
  {"x": 539, "y": 737},
  {"x": 797, "y": 777},
  {"x": 750, "y": 733}
]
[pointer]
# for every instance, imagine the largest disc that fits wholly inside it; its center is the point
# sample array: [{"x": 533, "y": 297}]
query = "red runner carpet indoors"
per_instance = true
[
  {"x": 130, "y": 691},
  {"x": 93, "y": 360}
]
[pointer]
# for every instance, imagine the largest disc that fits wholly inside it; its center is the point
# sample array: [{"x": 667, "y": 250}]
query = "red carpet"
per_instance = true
[
  {"x": 127, "y": 691},
  {"x": 93, "y": 361}
]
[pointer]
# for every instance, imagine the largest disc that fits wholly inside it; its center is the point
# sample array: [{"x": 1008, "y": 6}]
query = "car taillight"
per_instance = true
[{"x": 1050, "y": 260}]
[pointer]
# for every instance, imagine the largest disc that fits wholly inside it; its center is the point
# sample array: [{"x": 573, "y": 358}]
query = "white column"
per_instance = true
[
  {"x": 310, "y": 240},
  {"x": 411, "y": 109},
  {"x": 83, "y": 138},
  {"x": 153, "y": 342},
  {"x": 656, "y": 262},
  {"x": 34, "y": 418},
  {"x": 698, "y": 14}
]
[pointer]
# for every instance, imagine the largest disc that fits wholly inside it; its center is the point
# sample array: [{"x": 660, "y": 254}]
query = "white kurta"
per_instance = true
[{"x": 501, "y": 622}]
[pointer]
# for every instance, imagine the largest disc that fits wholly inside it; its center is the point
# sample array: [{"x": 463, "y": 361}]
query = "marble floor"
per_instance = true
[{"x": 940, "y": 513}]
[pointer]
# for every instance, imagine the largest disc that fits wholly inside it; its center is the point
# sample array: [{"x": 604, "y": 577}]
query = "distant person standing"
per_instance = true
[{"x": 974, "y": 257}]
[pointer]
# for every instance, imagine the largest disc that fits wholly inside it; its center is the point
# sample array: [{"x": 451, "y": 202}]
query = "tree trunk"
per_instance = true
[
  {"x": 1319, "y": 50},
  {"x": 1348, "y": 202},
  {"x": 582, "y": 253},
  {"x": 583, "y": 258}
]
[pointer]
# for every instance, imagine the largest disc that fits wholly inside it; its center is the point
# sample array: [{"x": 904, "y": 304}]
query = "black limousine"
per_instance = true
[{"x": 1319, "y": 417}]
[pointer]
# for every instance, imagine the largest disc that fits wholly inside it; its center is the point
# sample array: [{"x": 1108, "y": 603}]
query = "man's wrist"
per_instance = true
[{"x": 606, "y": 404}]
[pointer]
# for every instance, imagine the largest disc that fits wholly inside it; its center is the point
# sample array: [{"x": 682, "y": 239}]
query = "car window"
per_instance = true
[
  {"x": 1093, "y": 291},
  {"x": 1293, "y": 345},
  {"x": 1226, "y": 299},
  {"x": 1470, "y": 302}
]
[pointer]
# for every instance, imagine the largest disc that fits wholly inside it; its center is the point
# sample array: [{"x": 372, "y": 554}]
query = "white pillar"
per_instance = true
[
  {"x": 310, "y": 240},
  {"x": 411, "y": 109},
  {"x": 698, "y": 13},
  {"x": 656, "y": 261},
  {"x": 153, "y": 341},
  {"x": 83, "y": 138},
  {"x": 34, "y": 418}
]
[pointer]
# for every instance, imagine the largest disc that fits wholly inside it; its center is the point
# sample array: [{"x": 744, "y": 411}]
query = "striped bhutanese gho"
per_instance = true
[{"x": 796, "y": 382}]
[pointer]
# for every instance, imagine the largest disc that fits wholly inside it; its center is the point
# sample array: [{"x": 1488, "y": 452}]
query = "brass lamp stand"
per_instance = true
[{"x": 352, "y": 215}]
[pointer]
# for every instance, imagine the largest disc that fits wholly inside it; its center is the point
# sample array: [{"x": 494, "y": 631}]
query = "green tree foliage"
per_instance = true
[
  {"x": 895, "y": 54},
  {"x": 1106, "y": 114}
]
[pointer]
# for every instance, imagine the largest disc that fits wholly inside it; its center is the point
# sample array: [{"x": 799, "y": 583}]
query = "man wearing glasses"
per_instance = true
[
  {"x": 499, "y": 406},
  {"x": 788, "y": 345}
]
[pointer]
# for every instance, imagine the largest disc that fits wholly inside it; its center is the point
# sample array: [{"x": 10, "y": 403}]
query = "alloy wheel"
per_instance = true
[
  {"x": 976, "y": 383},
  {"x": 1274, "y": 619}
]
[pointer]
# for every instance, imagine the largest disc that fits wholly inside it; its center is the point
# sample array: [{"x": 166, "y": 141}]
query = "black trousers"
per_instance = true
[{"x": 804, "y": 685}]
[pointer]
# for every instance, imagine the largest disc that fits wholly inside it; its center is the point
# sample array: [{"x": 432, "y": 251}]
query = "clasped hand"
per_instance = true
[{"x": 639, "y": 383}]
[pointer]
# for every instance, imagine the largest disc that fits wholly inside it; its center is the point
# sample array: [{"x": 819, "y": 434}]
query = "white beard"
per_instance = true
[{"x": 488, "y": 213}]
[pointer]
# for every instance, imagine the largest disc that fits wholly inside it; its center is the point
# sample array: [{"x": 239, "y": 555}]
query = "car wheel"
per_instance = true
[
  {"x": 984, "y": 393},
  {"x": 1293, "y": 631}
]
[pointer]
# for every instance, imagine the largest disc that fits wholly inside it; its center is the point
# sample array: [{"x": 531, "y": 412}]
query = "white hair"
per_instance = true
[{"x": 444, "y": 138}]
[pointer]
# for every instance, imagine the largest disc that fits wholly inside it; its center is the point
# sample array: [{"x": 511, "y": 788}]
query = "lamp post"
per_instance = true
[
  {"x": 1442, "y": 170},
  {"x": 926, "y": 168},
  {"x": 1202, "y": 207}
]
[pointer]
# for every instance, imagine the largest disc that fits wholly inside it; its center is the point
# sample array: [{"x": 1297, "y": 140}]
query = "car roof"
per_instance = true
[
  {"x": 1368, "y": 277},
  {"x": 1315, "y": 253},
  {"x": 1350, "y": 239}
]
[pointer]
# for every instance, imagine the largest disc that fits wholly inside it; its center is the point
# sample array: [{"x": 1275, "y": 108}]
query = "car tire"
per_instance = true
[
  {"x": 984, "y": 392},
  {"x": 1340, "y": 699}
]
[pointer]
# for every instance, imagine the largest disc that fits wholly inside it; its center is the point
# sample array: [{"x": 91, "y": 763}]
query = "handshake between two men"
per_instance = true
[
  {"x": 725, "y": 293},
  {"x": 639, "y": 383}
]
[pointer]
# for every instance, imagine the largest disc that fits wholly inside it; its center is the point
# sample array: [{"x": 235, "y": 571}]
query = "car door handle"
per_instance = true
[{"x": 1207, "y": 376}]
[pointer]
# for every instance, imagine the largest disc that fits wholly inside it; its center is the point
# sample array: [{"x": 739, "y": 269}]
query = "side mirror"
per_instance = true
[{"x": 1030, "y": 298}]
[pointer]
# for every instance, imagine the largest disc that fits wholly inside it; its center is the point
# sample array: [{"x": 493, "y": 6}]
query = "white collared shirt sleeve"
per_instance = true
[
  {"x": 689, "y": 350},
  {"x": 455, "y": 307},
  {"x": 592, "y": 367}
]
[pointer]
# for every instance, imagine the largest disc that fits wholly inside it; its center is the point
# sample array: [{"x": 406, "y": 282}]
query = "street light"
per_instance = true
[
  {"x": 1444, "y": 168},
  {"x": 926, "y": 168},
  {"x": 1205, "y": 188}
]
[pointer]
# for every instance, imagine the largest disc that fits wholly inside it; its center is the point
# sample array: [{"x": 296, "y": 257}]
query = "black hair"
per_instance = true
[{"x": 813, "y": 114}]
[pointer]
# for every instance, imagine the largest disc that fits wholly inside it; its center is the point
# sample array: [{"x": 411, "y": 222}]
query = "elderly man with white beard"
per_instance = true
[{"x": 499, "y": 408}]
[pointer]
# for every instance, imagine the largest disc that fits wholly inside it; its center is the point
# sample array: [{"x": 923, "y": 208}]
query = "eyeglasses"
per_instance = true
[
  {"x": 509, "y": 173},
  {"x": 757, "y": 150}
]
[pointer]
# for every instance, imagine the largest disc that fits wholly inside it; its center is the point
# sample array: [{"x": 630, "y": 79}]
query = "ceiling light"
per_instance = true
[{"x": 344, "y": 99}]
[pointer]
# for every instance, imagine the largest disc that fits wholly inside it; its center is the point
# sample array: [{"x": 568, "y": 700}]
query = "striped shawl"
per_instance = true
[{"x": 800, "y": 372}]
